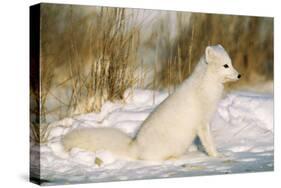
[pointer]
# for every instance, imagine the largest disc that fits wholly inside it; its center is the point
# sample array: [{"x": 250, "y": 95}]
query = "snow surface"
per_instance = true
[{"x": 242, "y": 127}]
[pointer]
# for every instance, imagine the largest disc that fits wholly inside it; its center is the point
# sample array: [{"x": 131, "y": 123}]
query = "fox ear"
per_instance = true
[{"x": 210, "y": 54}]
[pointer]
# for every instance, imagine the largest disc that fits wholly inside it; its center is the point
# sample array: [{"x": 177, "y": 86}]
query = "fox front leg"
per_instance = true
[{"x": 207, "y": 140}]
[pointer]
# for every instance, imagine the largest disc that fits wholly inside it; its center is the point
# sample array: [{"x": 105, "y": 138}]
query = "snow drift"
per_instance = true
[{"x": 242, "y": 127}]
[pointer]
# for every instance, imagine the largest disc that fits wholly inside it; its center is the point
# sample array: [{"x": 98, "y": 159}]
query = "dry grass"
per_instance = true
[
  {"x": 109, "y": 55},
  {"x": 90, "y": 56},
  {"x": 249, "y": 41},
  {"x": 94, "y": 55},
  {"x": 39, "y": 133}
]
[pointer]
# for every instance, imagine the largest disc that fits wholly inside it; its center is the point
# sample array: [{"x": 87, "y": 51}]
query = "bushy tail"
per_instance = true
[{"x": 93, "y": 139}]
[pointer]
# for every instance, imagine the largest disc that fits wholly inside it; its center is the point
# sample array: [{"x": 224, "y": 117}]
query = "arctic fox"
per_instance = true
[{"x": 172, "y": 127}]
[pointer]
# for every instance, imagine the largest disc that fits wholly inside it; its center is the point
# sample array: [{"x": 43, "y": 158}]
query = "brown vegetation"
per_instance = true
[
  {"x": 249, "y": 41},
  {"x": 93, "y": 55}
]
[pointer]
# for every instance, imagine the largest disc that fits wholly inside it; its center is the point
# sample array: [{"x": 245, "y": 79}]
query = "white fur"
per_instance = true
[
  {"x": 171, "y": 128},
  {"x": 93, "y": 139}
]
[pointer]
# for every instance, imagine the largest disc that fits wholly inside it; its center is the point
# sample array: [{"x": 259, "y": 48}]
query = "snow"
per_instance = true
[{"x": 242, "y": 127}]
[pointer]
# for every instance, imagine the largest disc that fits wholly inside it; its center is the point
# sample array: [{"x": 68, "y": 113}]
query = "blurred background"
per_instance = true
[{"x": 90, "y": 55}]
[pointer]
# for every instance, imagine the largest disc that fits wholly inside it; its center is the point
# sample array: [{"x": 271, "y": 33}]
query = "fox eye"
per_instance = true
[{"x": 225, "y": 66}]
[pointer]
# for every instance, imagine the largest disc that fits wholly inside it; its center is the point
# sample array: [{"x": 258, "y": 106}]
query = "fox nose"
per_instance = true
[{"x": 239, "y": 76}]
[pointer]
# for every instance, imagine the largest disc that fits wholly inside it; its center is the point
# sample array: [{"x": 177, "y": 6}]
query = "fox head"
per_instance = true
[{"x": 219, "y": 61}]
